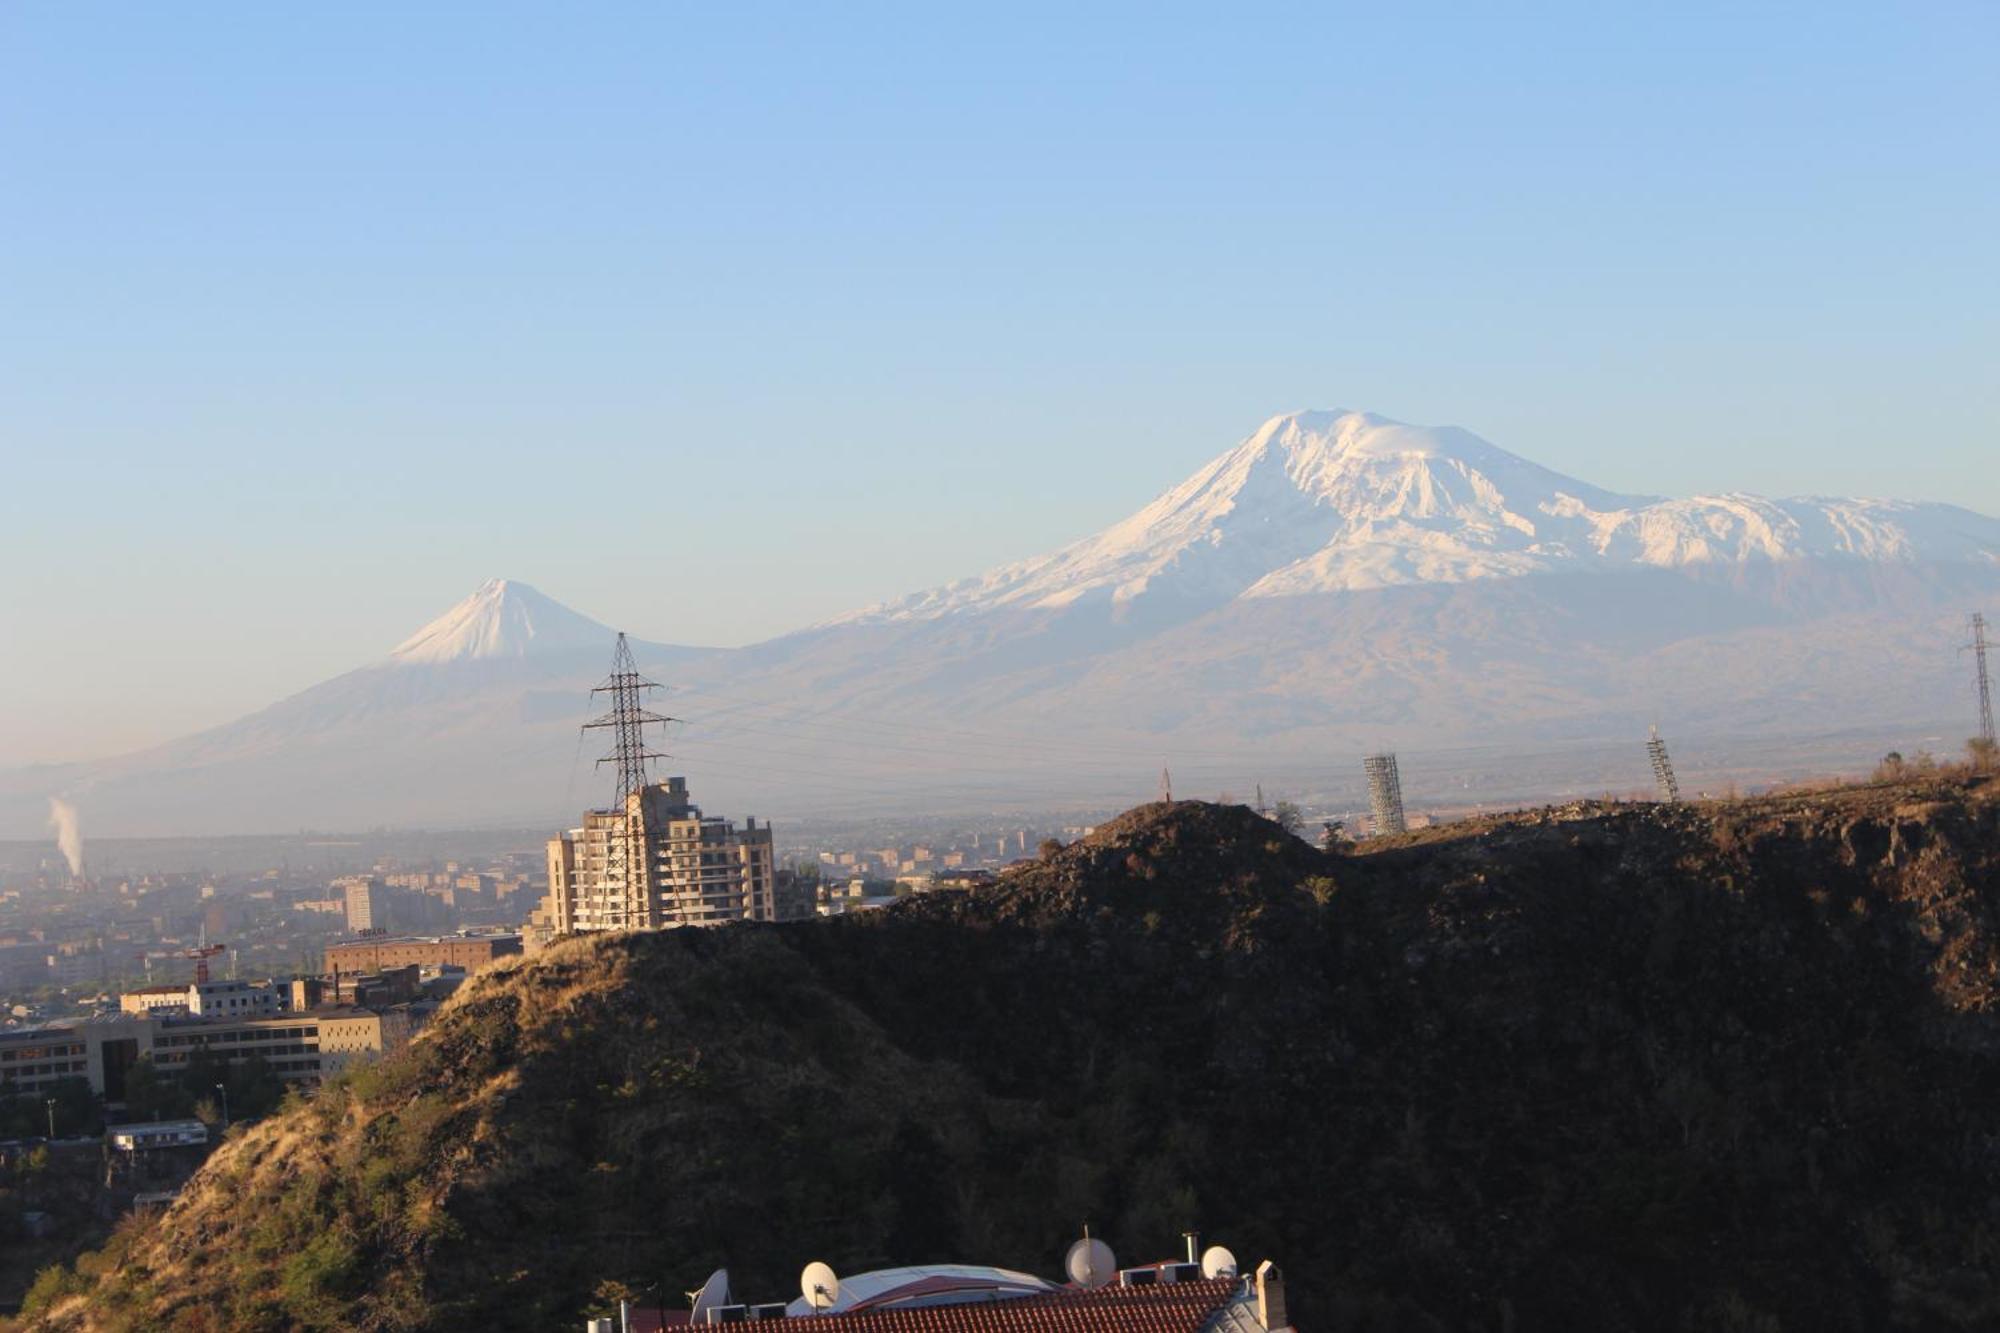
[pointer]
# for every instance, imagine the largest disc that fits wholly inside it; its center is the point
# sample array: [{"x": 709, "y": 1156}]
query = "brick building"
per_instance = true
[{"x": 375, "y": 954}]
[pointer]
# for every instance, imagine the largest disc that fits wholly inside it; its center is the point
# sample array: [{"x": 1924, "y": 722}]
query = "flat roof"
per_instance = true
[
  {"x": 375, "y": 940},
  {"x": 138, "y": 1126},
  {"x": 36, "y": 1034}
]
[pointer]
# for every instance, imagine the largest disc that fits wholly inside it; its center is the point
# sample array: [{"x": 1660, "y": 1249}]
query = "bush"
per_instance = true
[
  {"x": 52, "y": 1285},
  {"x": 319, "y": 1280}
]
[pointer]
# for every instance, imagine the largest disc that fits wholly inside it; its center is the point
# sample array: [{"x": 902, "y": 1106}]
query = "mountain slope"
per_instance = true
[
  {"x": 1316, "y": 502},
  {"x": 1608, "y": 1067},
  {"x": 472, "y": 720},
  {"x": 1336, "y": 581}
]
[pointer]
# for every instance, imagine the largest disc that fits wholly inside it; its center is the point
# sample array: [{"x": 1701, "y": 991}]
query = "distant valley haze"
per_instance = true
[{"x": 1336, "y": 581}]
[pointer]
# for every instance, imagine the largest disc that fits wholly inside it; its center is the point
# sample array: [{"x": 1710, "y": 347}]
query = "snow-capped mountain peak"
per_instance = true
[
  {"x": 1315, "y": 502},
  {"x": 503, "y": 618}
]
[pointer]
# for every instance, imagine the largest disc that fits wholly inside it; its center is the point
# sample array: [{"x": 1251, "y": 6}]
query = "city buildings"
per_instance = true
[
  {"x": 232, "y": 999},
  {"x": 374, "y": 954},
  {"x": 298, "y": 1047},
  {"x": 657, "y": 861}
]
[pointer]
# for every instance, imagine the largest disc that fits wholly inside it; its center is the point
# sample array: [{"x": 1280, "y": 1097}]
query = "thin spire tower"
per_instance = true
[
  {"x": 1985, "y": 683},
  {"x": 1166, "y": 786},
  {"x": 1663, "y": 768}
]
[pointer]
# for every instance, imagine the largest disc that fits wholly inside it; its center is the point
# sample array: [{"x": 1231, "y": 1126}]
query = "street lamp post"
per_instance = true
[
  {"x": 225, "y": 1104},
  {"x": 52, "y": 1117}
]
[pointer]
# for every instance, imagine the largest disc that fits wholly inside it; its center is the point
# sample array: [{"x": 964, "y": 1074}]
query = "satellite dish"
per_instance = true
[
  {"x": 819, "y": 1286},
  {"x": 1217, "y": 1262},
  {"x": 1091, "y": 1263},
  {"x": 714, "y": 1294}
]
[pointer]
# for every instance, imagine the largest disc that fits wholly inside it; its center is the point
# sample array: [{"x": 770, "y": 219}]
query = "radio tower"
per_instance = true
[
  {"x": 1978, "y": 647},
  {"x": 627, "y": 722},
  {"x": 1663, "y": 768},
  {"x": 1385, "y": 795},
  {"x": 1166, "y": 786}
]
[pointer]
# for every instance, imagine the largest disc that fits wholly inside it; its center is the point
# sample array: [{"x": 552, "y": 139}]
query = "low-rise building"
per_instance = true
[
  {"x": 233, "y": 999},
  {"x": 289, "y": 1044},
  {"x": 470, "y": 952},
  {"x": 153, "y": 999},
  {"x": 31, "y": 1059},
  {"x": 103, "y": 1051},
  {"x": 348, "y": 1035},
  {"x": 1205, "y": 1294},
  {"x": 156, "y": 1134}
]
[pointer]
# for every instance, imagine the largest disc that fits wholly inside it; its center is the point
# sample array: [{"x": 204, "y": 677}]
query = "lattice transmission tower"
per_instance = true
[
  {"x": 1983, "y": 681},
  {"x": 627, "y": 721},
  {"x": 1663, "y": 769},
  {"x": 1385, "y": 795}
]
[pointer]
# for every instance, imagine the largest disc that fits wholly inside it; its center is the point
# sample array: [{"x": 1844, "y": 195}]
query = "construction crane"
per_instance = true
[{"x": 200, "y": 954}]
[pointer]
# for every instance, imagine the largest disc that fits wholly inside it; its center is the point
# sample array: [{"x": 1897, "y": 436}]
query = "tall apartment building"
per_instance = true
[
  {"x": 364, "y": 899},
  {"x": 657, "y": 862}
]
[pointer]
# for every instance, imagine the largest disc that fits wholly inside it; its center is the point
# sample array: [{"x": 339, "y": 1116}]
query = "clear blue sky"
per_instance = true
[{"x": 715, "y": 321}]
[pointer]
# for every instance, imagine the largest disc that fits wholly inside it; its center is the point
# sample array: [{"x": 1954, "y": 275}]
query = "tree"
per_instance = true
[
  {"x": 1983, "y": 754},
  {"x": 254, "y": 1088},
  {"x": 1287, "y": 816},
  {"x": 152, "y": 1095},
  {"x": 27, "y": 1116}
]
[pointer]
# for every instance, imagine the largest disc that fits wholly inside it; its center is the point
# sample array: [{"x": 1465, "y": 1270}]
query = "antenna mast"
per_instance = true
[
  {"x": 1663, "y": 768},
  {"x": 627, "y": 721},
  {"x": 1166, "y": 786},
  {"x": 1978, "y": 647}
]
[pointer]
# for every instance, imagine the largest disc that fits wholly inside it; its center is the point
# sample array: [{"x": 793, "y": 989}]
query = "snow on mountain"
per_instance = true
[
  {"x": 1335, "y": 581},
  {"x": 503, "y": 619},
  {"x": 1317, "y": 502}
]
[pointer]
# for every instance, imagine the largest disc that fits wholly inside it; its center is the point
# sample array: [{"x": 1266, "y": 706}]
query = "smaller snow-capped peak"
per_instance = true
[{"x": 503, "y": 618}]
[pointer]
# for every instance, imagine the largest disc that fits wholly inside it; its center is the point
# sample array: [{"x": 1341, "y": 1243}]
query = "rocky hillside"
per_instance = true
[{"x": 1714, "y": 1067}]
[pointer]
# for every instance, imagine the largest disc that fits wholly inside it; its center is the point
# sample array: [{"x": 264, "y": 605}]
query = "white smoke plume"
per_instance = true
[{"x": 69, "y": 833}]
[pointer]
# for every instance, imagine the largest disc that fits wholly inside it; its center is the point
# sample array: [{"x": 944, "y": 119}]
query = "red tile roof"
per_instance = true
[{"x": 1177, "y": 1307}]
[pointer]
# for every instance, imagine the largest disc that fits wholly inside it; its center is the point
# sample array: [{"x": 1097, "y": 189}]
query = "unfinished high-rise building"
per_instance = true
[
  {"x": 1385, "y": 795},
  {"x": 1663, "y": 768},
  {"x": 656, "y": 862},
  {"x": 652, "y": 860}
]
